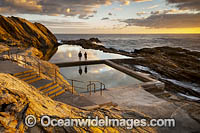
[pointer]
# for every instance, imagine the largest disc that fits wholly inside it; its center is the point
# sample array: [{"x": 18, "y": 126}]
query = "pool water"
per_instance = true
[
  {"x": 69, "y": 53},
  {"x": 111, "y": 77}
]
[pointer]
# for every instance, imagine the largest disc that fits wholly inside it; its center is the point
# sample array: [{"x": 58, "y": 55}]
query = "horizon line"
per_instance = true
[{"x": 130, "y": 33}]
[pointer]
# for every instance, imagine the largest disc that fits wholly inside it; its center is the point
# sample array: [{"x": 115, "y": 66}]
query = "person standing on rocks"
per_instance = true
[
  {"x": 80, "y": 55},
  {"x": 85, "y": 55}
]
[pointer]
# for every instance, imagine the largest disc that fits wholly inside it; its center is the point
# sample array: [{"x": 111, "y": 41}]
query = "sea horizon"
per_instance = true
[
  {"x": 100, "y": 66},
  {"x": 130, "y": 42},
  {"x": 127, "y": 34}
]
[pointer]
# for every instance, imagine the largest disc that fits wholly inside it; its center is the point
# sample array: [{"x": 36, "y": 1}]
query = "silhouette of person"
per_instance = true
[
  {"x": 80, "y": 70},
  {"x": 80, "y": 55},
  {"x": 85, "y": 69},
  {"x": 85, "y": 56}
]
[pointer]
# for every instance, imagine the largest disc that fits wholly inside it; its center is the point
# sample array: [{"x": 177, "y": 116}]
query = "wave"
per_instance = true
[{"x": 131, "y": 42}]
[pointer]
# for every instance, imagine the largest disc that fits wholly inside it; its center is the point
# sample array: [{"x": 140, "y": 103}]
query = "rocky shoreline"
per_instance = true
[
  {"x": 18, "y": 32},
  {"x": 178, "y": 68},
  {"x": 20, "y": 98}
]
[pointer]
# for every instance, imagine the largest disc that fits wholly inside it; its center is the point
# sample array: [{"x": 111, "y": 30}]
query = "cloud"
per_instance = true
[
  {"x": 68, "y": 10},
  {"x": 141, "y": 0},
  {"x": 65, "y": 24},
  {"x": 141, "y": 13},
  {"x": 125, "y": 2},
  {"x": 80, "y": 8},
  {"x": 183, "y": 17},
  {"x": 106, "y": 18},
  {"x": 12, "y": 6},
  {"x": 117, "y": 9},
  {"x": 166, "y": 21},
  {"x": 88, "y": 17},
  {"x": 186, "y": 4},
  {"x": 170, "y": 11},
  {"x": 152, "y": 7}
]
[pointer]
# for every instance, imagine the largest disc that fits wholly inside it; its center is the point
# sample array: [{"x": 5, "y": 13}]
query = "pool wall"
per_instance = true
[
  {"x": 148, "y": 82},
  {"x": 128, "y": 71}
]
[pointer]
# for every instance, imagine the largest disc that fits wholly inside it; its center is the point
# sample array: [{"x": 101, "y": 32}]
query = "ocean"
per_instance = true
[{"x": 130, "y": 42}]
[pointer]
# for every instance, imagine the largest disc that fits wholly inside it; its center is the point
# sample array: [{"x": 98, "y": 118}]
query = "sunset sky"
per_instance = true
[{"x": 109, "y": 16}]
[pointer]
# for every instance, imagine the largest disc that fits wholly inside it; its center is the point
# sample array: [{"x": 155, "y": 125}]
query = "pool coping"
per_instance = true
[{"x": 148, "y": 82}]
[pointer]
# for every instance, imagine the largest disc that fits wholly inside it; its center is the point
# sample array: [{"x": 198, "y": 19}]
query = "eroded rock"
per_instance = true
[
  {"x": 22, "y": 33},
  {"x": 19, "y": 99}
]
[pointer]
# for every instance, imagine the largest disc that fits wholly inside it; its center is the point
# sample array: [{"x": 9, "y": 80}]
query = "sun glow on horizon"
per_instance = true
[
  {"x": 110, "y": 17},
  {"x": 132, "y": 30},
  {"x": 160, "y": 31}
]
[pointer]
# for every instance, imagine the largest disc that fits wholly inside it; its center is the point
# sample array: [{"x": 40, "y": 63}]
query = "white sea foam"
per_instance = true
[
  {"x": 189, "y": 85},
  {"x": 132, "y": 42},
  {"x": 189, "y": 97},
  {"x": 101, "y": 44}
]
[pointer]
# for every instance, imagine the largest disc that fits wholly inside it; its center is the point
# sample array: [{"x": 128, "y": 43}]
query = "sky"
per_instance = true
[{"x": 109, "y": 16}]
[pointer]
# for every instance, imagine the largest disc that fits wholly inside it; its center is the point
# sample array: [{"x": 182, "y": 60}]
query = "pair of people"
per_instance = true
[
  {"x": 81, "y": 71},
  {"x": 80, "y": 55}
]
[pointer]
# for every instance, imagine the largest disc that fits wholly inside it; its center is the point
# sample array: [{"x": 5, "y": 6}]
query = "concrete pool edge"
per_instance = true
[{"x": 148, "y": 82}]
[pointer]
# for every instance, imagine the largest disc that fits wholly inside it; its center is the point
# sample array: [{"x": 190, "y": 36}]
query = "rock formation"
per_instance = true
[
  {"x": 19, "y": 99},
  {"x": 172, "y": 65},
  {"x": 22, "y": 33}
]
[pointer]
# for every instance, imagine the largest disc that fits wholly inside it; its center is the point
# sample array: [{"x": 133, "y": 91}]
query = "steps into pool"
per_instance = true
[{"x": 48, "y": 87}]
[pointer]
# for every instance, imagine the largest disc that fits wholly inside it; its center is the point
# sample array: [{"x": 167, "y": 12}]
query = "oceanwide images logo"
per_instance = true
[
  {"x": 47, "y": 121},
  {"x": 30, "y": 121}
]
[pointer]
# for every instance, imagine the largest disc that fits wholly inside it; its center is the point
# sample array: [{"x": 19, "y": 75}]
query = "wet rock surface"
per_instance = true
[
  {"x": 177, "y": 67},
  {"x": 18, "y": 99}
]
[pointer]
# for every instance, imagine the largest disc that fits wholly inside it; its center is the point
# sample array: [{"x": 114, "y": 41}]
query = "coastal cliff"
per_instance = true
[
  {"x": 19, "y": 32},
  {"x": 19, "y": 98}
]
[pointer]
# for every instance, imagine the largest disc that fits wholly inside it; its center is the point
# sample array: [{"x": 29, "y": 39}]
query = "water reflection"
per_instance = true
[
  {"x": 69, "y": 53},
  {"x": 103, "y": 73},
  {"x": 86, "y": 70},
  {"x": 80, "y": 70},
  {"x": 112, "y": 78}
]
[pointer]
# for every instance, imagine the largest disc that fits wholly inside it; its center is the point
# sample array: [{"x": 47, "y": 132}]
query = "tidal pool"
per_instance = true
[
  {"x": 109, "y": 76},
  {"x": 69, "y": 53}
]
